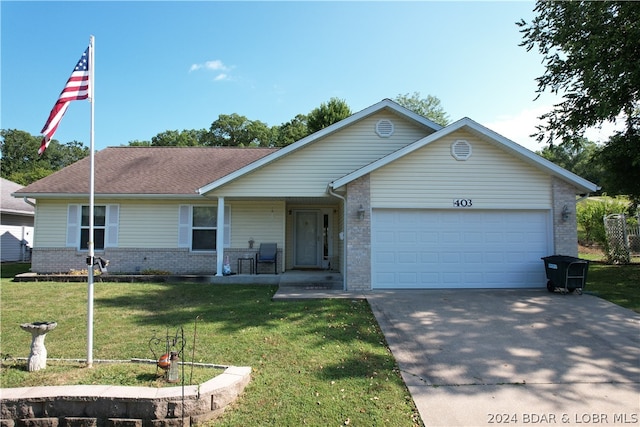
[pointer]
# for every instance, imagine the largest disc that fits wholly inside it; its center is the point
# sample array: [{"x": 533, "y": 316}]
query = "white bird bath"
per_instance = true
[{"x": 38, "y": 355}]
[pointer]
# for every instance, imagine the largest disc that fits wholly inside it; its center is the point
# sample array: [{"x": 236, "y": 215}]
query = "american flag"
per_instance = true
[{"x": 77, "y": 88}]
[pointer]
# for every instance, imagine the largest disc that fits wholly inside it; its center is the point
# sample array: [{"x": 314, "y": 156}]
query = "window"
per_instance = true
[
  {"x": 198, "y": 227},
  {"x": 105, "y": 226},
  {"x": 99, "y": 227},
  {"x": 204, "y": 229}
]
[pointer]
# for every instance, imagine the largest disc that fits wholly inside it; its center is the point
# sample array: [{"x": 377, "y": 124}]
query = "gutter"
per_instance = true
[
  {"x": 29, "y": 202},
  {"x": 136, "y": 196},
  {"x": 344, "y": 230}
]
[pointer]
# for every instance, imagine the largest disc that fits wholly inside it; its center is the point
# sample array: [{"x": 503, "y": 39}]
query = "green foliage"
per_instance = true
[
  {"x": 19, "y": 152},
  {"x": 185, "y": 138},
  {"x": 429, "y": 107},
  {"x": 590, "y": 50},
  {"x": 590, "y": 215},
  {"x": 291, "y": 131},
  {"x": 139, "y": 143},
  {"x": 234, "y": 130},
  {"x": 11, "y": 269},
  {"x": 580, "y": 158},
  {"x": 620, "y": 160},
  {"x": 29, "y": 175},
  {"x": 153, "y": 272},
  {"x": 21, "y": 162},
  {"x": 327, "y": 114}
]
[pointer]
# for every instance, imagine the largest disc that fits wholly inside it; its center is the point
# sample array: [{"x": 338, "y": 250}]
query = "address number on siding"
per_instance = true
[{"x": 462, "y": 203}]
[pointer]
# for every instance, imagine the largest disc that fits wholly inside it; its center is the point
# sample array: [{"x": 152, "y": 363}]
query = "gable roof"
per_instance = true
[
  {"x": 11, "y": 205},
  {"x": 385, "y": 104},
  {"x": 485, "y": 134},
  {"x": 146, "y": 171}
]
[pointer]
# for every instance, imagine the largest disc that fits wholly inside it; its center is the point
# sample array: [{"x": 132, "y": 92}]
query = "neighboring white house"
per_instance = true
[
  {"x": 386, "y": 197},
  {"x": 16, "y": 224}
]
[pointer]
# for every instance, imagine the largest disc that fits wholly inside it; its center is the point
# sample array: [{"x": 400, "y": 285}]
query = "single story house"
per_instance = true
[
  {"x": 386, "y": 197},
  {"x": 16, "y": 224}
]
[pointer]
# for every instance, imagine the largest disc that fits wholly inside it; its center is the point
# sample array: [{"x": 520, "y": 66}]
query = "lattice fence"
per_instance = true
[{"x": 615, "y": 226}]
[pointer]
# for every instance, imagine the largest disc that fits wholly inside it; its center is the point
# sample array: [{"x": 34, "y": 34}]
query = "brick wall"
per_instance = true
[
  {"x": 565, "y": 232},
  {"x": 358, "y": 272},
  {"x": 136, "y": 261}
]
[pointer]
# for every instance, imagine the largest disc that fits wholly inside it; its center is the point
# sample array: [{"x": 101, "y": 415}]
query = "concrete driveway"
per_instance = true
[{"x": 525, "y": 357}]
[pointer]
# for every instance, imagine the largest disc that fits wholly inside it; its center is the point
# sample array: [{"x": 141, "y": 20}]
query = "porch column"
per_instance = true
[{"x": 220, "y": 237}]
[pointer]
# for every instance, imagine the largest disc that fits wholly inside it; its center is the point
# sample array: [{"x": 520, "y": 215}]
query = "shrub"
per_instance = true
[
  {"x": 153, "y": 272},
  {"x": 590, "y": 215}
]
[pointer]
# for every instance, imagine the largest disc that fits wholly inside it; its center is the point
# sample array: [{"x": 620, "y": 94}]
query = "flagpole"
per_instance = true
[{"x": 92, "y": 66}]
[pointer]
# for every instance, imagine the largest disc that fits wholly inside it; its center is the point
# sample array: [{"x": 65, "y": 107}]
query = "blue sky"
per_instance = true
[{"x": 178, "y": 65}]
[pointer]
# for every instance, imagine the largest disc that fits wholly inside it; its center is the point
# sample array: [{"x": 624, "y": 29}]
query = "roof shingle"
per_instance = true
[
  {"x": 9, "y": 204},
  {"x": 148, "y": 170}
]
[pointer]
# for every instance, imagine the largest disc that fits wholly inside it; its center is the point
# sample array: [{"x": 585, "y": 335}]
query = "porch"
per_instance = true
[{"x": 291, "y": 282}]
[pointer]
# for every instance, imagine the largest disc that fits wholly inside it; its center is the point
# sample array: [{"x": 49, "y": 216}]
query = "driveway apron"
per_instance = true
[{"x": 507, "y": 357}]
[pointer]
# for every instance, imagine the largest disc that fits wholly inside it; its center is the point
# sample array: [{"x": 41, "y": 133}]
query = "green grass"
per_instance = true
[
  {"x": 320, "y": 362},
  {"x": 11, "y": 269},
  {"x": 619, "y": 284},
  {"x": 14, "y": 373}
]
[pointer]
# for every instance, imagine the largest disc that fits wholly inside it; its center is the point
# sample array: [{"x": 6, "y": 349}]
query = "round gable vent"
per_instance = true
[
  {"x": 461, "y": 150},
  {"x": 384, "y": 128}
]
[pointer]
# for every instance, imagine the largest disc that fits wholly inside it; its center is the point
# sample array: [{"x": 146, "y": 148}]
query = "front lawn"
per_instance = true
[
  {"x": 319, "y": 362},
  {"x": 619, "y": 284}
]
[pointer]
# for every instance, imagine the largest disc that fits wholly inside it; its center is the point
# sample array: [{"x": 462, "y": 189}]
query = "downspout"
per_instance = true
[
  {"x": 582, "y": 198},
  {"x": 23, "y": 245},
  {"x": 344, "y": 231}
]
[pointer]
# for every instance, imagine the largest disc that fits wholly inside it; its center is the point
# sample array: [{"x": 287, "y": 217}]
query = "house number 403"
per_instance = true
[{"x": 462, "y": 203}]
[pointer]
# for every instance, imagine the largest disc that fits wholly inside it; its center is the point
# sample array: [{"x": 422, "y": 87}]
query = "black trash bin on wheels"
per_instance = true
[{"x": 565, "y": 273}]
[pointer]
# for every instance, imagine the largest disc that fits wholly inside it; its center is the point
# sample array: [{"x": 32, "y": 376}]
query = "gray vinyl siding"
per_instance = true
[{"x": 432, "y": 178}]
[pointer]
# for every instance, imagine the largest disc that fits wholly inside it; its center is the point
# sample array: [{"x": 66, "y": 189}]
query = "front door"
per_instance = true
[{"x": 307, "y": 239}]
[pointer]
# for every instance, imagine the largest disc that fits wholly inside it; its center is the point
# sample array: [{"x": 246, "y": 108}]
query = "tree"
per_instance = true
[
  {"x": 327, "y": 114},
  {"x": 590, "y": 51},
  {"x": 428, "y": 107},
  {"x": 234, "y": 130},
  {"x": 19, "y": 152},
  {"x": 139, "y": 143},
  {"x": 621, "y": 164},
  {"x": 579, "y": 158},
  {"x": 291, "y": 131},
  {"x": 184, "y": 138},
  {"x": 20, "y": 160}
]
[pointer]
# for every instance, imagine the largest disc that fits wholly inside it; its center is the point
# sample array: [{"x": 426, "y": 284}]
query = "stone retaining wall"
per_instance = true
[{"x": 119, "y": 406}]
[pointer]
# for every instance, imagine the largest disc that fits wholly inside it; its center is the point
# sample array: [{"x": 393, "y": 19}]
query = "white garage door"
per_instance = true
[{"x": 459, "y": 249}]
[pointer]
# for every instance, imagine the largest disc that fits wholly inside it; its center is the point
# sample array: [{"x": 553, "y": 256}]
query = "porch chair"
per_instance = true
[{"x": 268, "y": 253}]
